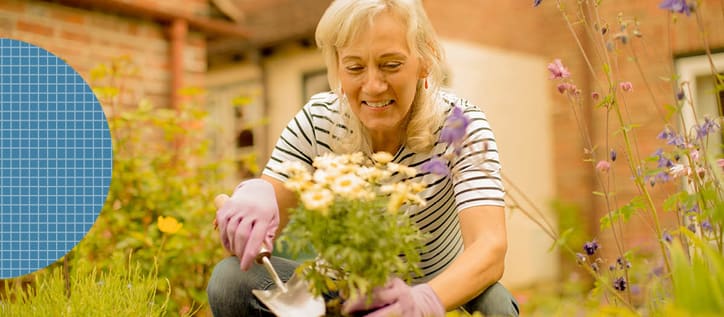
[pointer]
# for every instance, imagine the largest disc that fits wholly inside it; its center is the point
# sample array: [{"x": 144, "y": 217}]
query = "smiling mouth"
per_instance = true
[{"x": 380, "y": 104}]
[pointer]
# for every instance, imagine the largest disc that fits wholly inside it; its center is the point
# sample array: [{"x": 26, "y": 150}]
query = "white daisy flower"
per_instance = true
[
  {"x": 317, "y": 198},
  {"x": 382, "y": 157}
]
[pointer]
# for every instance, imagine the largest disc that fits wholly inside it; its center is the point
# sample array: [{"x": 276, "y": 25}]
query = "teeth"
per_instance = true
[{"x": 378, "y": 104}]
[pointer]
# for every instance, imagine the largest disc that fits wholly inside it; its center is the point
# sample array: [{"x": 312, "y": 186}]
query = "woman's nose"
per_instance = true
[{"x": 375, "y": 83}]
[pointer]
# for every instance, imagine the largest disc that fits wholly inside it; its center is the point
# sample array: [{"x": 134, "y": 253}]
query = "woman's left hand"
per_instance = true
[{"x": 399, "y": 299}]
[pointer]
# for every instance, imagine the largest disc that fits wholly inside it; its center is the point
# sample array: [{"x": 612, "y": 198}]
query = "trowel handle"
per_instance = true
[
  {"x": 263, "y": 253},
  {"x": 263, "y": 259}
]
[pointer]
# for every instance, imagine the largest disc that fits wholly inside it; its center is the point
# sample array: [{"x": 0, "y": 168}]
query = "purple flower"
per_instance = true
[
  {"x": 658, "y": 271},
  {"x": 661, "y": 160},
  {"x": 651, "y": 180},
  {"x": 558, "y": 70},
  {"x": 664, "y": 134},
  {"x": 623, "y": 263},
  {"x": 613, "y": 155},
  {"x": 671, "y": 138},
  {"x": 677, "y": 141},
  {"x": 691, "y": 227},
  {"x": 455, "y": 127},
  {"x": 667, "y": 237},
  {"x": 537, "y": 3},
  {"x": 662, "y": 177},
  {"x": 590, "y": 247},
  {"x": 707, "y": 127},
  {"x": 580, "y": 258},
  {"x": 435, "y": 165},
  {"x": 694, "y": 209},
  {"x": 620, "y": 284},
  {"x": 680, "y": 95},
  {"x": 706, "y": 226},
  {"x": 678, "y": 6}
]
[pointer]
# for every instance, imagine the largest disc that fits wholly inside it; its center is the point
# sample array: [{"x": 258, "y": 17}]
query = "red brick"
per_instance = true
[
  {"x": 35, "y": 28},
  {"x": 67, "y": 16},
  {"x": 75, "y": 36}
]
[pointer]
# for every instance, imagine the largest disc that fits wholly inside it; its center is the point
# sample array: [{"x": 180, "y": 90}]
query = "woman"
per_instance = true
[{"x": 384, "y": 64}]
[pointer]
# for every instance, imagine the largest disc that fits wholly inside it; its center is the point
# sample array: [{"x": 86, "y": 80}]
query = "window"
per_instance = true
[{"x": 697, "y": 79}]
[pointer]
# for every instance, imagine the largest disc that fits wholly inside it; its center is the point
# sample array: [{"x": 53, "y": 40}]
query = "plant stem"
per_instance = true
[
  {"x": 638, "y": 179},
  {"x": 545, "y": 226},
  {"x": 578, "y": 41}
]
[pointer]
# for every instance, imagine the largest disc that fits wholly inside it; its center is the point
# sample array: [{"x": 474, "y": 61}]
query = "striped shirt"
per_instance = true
[{"x": 475, "y": 180}]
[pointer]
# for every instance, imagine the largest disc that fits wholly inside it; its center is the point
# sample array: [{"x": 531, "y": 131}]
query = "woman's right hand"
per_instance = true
[{"x": 248, "y": 219}]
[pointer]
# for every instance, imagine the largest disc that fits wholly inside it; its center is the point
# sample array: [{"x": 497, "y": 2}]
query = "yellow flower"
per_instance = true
[
  {"x": 249, "y": 162},
  {"x": 395, "y": 203},
  {"x": 168, "y": 224}
]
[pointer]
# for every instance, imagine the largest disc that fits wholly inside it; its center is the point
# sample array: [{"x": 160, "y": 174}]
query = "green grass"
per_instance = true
[{"x": 123, "y": 290}]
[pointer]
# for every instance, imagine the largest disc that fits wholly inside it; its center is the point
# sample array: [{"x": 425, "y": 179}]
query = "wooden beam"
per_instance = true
[{"x": 206, "y": 25}]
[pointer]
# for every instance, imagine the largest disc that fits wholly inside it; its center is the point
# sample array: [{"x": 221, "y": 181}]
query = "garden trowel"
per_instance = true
[{"x": 293, "y": 299}]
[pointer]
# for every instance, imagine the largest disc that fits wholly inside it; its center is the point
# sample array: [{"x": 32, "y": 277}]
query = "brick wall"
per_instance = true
[
  {"x": 661, "y": 41},
  {"x": 86, "y": 38},
  {"x": 517, "y": 26}
]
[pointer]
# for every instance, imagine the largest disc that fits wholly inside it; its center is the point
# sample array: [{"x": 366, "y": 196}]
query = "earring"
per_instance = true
[{"x": 425, "y": 82}]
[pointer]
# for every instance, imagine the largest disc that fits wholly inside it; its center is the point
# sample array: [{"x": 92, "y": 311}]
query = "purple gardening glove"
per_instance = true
[
  {"x": 399, "y": 299},
  {"x": 248, "y": 218}
]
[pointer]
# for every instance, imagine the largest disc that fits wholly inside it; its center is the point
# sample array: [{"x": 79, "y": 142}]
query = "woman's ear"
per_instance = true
[
  {"x": 424, "y": 71},
  {"x": 424, "y": 68}
]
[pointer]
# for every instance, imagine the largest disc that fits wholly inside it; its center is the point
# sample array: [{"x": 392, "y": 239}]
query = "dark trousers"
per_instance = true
[{"x": 229, "y": 291}]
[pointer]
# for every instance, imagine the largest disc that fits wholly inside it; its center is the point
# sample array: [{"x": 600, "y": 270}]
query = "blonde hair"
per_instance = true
[{"x": 340, "y": 24}]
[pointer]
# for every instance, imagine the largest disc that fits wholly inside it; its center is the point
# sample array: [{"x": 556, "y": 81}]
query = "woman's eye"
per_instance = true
[
  {"x": 392, "y": 65},
  {"x": 354, "y": 68}
]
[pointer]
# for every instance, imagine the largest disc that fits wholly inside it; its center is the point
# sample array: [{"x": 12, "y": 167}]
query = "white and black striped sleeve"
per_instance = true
[
  {"x": 477, "y": 168},
  {"x": 297, "y": 142}
]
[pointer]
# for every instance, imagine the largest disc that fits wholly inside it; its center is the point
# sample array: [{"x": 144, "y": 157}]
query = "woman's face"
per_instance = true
[{"x": 379, "y": 74}]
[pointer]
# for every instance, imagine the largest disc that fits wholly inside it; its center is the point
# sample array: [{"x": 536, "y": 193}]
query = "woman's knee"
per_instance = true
[
  {"x": 228, "y": 283},
  {"x": 227, "y": 280},
  {"x": 496, "y": 300}
]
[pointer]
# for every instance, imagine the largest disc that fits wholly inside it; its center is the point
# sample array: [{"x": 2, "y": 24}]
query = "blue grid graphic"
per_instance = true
[{"x": 55, "y": 158}]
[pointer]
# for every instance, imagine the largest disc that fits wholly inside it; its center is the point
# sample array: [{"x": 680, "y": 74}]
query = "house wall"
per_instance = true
[
  {"x": 227, "y": 120},
  {"x": 85, "y": 38},
  {"x": 283, "y": 81},
  {"x": 523, "y": 129}
]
